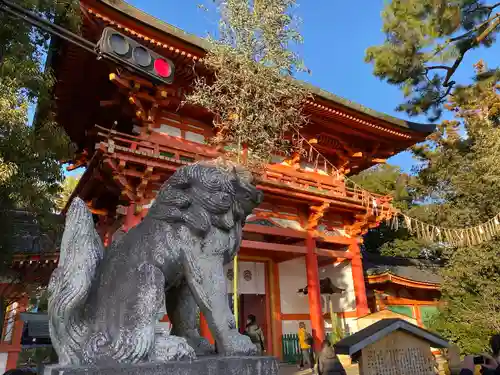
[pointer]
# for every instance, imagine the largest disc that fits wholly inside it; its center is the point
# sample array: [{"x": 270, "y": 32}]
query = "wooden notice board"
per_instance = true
[{"x": 399, "y": 353}]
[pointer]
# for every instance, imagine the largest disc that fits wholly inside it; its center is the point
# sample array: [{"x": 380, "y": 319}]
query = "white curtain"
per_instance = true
[{"x": 251, "y": 278}]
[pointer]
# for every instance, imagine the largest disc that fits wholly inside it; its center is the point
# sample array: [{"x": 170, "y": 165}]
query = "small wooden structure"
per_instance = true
[{"x": 392, "y": 347}]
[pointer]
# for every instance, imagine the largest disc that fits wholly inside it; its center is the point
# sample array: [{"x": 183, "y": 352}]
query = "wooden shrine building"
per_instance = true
[
  {"x": 132, "y": 133},
  {"x": 34, "y": 257},
  {"x": 409, "y": 287}
]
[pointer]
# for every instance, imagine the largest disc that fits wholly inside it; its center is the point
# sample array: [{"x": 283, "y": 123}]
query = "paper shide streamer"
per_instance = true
[{"x": 458, "y": 237}]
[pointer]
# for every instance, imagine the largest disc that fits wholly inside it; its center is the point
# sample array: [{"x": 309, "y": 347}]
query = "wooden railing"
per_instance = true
[
  {"x": 173, "y": 149},
  {"x": 183, "y": 152},
  {"x": 323, "y": 184}
]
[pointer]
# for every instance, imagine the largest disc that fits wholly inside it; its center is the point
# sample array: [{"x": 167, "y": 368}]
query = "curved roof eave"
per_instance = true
[{"x": 204, "y": 45}]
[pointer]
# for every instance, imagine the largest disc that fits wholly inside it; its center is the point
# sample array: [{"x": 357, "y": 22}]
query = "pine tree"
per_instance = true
[
  {"x": 465, "y": 174},
  {"x": 67, "y": 187},
  {"x": 426, "y": 41},
  {"x": 457, "y": 184}
]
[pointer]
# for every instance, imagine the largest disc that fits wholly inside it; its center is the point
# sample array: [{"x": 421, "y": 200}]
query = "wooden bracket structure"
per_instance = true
[
  {"x": 317, "y": 212},
  {"x": 146, "y": 98},
  {"x": 293, "y": 161},
  {"x": 372, "y": 218},
  {"x": 141, "y": 189},
  {"x": 80, "y": 161}
]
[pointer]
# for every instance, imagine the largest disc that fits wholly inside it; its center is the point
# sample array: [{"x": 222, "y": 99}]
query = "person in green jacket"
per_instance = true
[{"x": 255, "y": 333}]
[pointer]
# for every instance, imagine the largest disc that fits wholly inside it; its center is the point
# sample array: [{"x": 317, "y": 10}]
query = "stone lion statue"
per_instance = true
[{"x": 104, "y": 304}]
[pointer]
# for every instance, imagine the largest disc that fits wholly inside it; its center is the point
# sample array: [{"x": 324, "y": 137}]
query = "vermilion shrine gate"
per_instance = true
[{"x": 132, "y": 133}]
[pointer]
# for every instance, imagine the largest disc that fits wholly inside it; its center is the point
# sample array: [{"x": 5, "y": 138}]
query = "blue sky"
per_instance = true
[{"x": 336, "y": 35}]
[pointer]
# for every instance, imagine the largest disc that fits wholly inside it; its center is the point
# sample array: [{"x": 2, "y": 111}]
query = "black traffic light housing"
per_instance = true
[{"x": 114, "y": 43}]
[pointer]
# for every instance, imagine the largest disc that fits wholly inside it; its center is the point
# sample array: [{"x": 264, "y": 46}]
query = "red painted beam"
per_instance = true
[
  {"x": 276, "y": 231},
  {"x": 272, "y": 247},
  {"x": 334, "y": 253},
  {"x": 335, "y": 239}
]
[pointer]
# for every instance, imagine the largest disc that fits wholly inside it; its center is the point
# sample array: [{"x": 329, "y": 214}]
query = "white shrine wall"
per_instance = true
[
  {"x": 3, "y": 361},
  {"x": 341, "y": 275},
  {"x": 251, "y": 277},
  {"x": 292, "y": 277}
]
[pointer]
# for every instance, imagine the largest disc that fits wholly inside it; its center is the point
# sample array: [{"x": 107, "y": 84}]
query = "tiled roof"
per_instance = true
[
  {"x": 420, "y": 270},
  {"x": 378, "y": 330},
  {"x": 204, "y": 45}
]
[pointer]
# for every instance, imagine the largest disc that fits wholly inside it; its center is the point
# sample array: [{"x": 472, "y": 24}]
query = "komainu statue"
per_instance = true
[{"x": 104, "y": 304}]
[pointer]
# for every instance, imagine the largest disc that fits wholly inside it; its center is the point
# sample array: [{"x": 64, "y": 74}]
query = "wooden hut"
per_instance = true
[{"x": 392, "y": 346}]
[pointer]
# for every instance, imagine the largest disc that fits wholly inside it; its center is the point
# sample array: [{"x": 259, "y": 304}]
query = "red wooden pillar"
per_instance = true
[
  {"x": 418, "y": 315},
  {"x": 131, "y": 218},
  {"x": 205, "y": 330},
  {"x": 277, "y": 327},
  {"x": 316, "y": 314},
  {"x": 358, "y": 278},
  {"x": 17, "y": 333}
]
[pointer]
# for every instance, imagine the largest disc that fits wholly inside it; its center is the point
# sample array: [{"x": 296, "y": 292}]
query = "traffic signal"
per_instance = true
[{"x": 118, "y": 45}]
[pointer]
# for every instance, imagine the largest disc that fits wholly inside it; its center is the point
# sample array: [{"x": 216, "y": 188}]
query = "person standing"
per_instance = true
[
  {"x": 305, "y": 344},
  {"x": 255, "y": 333},
  {"x": 328, "y": 362}
]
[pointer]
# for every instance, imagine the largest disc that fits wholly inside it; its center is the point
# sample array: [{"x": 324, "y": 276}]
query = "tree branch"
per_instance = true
[
  {"x": 450, "y": 70},
  {"x": 445, "y": 67},
  {"x": 483, "y": 7},
  {"x": 489, "y": 29}
]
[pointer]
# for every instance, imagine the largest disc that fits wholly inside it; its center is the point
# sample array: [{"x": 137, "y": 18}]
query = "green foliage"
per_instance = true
[
  {"x": 67, "y": 188},
  {"x": 387, "y": 239},
  {"x": 39, "y": 300},
  {"x": 471, "y": 283},
  {"x": 465, "y": 174},
  {"x": 426, "y": 41},
  {"x": 386, "y": 179},
  {"x": 252, "y": 94},
  {"x": 456, "y": 184},
  {"x": 37, "y": 358},
  {"x": 30, "y": 156}
]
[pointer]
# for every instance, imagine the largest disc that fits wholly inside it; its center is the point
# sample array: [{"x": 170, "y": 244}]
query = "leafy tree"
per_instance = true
[
  {"x": 252, "y": 96},
  {"x": 30, "y": 172},
  {"x": 464, "y": 174},
  {"x": 390, "y": 239},
  {"x": 456, "y": 184},
  {"x": 426, "y": 41},
  {"x": 67, "y": 188},
  {"x": 386, "y": 179}
]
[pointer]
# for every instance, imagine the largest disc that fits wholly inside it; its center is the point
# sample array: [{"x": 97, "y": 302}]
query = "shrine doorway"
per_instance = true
[{"x": 255, "y": 304}]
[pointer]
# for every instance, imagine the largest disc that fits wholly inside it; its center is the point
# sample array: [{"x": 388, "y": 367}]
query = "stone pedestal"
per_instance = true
[{"x": 202, "y": 366}]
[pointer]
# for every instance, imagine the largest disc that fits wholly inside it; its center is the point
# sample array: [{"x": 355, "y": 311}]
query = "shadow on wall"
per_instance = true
[{"x": 341, "y": 276}]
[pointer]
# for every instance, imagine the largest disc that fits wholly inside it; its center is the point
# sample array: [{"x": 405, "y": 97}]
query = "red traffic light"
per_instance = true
[
  {"x": 162, "y": 68},
  {"x": 113, "y": 42}
]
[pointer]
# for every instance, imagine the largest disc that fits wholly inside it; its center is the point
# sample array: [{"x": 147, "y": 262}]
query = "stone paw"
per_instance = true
[
  {"x": 171, "y": 348},
  {"x": 238, "y": 344},
  {"x": 201, "y": 346}
]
